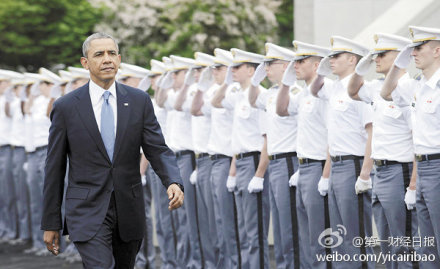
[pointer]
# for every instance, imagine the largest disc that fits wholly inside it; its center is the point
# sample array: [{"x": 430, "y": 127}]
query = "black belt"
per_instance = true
[
  {"x": 184, "y": 152},
  {"x": 341, "y": 158},
  {"x": 4, "y": 146},
  {"x": 385, "y": 162},
  {"x": 282, "y": 155},
  {"x": 307, "y": 160},
  {"x": 246, "y": 154},
  {"x": 17, "y": 147},
  {"x": 427, "y": 157},
  {"x": 218, "y": 156},
  {"x": 201, "y": 155},
  {"x": 40, "y": 148}
]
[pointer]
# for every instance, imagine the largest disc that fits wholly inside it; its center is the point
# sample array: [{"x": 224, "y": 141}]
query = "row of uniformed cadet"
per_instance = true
[{"x": 305, "y": 155}]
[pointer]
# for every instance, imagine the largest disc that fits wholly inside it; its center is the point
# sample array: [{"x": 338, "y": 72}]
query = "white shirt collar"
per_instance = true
[
  {"x": 432, "y": 82},
  {"x": 96, "y": 92}
]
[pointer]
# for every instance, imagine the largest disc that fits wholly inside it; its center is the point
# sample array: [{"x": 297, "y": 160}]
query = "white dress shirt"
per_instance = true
[
  {"x": 5, "y": 123},
  {"x": 201, "y": 125},
  {"x": 40, "y": 121},
  {"x": 423, "y": 97},
  {"x": 392, "y": 135},
  {"x": 17, "y": 125},
  {"x": 97, "y": 98}
]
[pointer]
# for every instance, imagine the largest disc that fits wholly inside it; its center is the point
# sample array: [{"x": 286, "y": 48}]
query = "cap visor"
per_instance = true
[
  {"x": 416, "y": 44},
  {"x": 302, "y": 57},
  {"x": 336, "y": 52}
]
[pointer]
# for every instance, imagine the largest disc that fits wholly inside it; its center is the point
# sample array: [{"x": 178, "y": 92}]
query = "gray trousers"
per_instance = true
[
  {"x": 390, "y": 214},
  {"x": 313, "y": 214},
  {"x": 253, "y": 212},
  {"x": 190, "y": 227},
  {"x": 22, "y": 192},
  {"x": 428, "y": 207},
  {"x": 344, "y": 210},
  {"x": 226, "y": 214},
  {"x": 284, "y": 223},
  {"x": 147, "y": 253},
  {"x": 8, "y": 205},
  {"x": 205, "y": 206},
  {"x": 35, "y": 177}
]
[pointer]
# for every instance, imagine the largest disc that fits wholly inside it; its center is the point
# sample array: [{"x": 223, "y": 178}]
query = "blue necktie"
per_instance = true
[{"x": 107, "y": 125}]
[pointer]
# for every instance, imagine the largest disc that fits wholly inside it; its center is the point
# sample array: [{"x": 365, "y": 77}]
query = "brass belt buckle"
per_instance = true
[
  {"x": 301, "y": 160},
  {"x": 419, "y": 157}
]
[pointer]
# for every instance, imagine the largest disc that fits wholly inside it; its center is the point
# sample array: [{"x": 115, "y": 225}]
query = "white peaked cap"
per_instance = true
[
  {"x": 223, "y": 57},
  {"x": 275, "y": 52},
  {"x": 10, "y": 75},
  {"x": 157, "y": 67},
  {"x": 78, "y": 72},
  {"x": 168, "y": 63},
  {"x": 341, "y": 44},
  {"x": 241, "y": 56},
  {"x": 49, "y": 76},
  {"x": 421, "y": 35},
  {"x": 130, "y": 70},
  {"x": 33, "y": 78},
  {"x": 304, "y": 50},
  {"x": 181, "y": 63},
  {"x": 387, "y": 42},
  {"x": 65, "y": 76},
  {"x": 203, "y": 59}
]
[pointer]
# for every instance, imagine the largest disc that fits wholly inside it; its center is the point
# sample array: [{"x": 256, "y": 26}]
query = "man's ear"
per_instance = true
[{"x": 84, "y": 63}]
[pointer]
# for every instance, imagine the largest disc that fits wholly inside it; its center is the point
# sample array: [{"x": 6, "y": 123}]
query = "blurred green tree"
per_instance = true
[{"x": 37, "y": 33}]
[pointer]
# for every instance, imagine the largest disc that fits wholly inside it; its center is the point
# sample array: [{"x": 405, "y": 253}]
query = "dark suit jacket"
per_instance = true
[{"x": 92, "y": 176}]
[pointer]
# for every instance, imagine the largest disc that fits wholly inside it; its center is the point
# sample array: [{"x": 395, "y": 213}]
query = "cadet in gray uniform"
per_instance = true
[
  {"x": 423, "y": 98},
  {"x": 392, "y": 149}
]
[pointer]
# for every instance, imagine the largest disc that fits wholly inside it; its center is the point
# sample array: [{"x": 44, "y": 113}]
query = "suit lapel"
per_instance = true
[
  {"x": 123, "y": 114},
  {"x": 85, "y": 110}
]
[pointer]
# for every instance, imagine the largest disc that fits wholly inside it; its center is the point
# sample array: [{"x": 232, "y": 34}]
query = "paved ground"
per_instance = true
[{"x": 12, "y": 257}]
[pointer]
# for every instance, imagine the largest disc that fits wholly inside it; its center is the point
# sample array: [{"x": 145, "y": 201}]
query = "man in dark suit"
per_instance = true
[{"x": 101, "y": 128}]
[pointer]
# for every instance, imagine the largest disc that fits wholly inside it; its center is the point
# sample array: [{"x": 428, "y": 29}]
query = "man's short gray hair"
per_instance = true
[{"x": 99, "y": 35}]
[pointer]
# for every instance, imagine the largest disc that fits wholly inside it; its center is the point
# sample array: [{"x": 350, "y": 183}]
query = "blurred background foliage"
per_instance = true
[{"x": 49, "y": 33}]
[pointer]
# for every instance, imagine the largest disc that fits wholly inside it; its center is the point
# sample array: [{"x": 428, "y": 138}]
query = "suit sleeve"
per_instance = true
[
  {"x": 160, "y": 156},
  {"x": 55, "y": 171}
]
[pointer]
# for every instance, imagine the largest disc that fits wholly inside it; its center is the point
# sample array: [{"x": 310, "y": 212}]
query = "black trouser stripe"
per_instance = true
[
  {"x": 408, "y": 222},
  {"x": 326, "y": 221},
  {"x": 193, "y": 162},
  {"x": 291, "y": 170},
  {"x": 260, "y": 218},
  {"x": 357, "y": 167},
  {"x": 174, "y": 230},
  {"x": 237, "y": 234}
]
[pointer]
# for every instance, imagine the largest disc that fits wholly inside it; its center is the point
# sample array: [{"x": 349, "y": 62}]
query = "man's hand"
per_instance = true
[
  {"x": 289, "y": 76},
  {"x": 259, "y": 75},
  {"x": 404, "y": 57},
  {"x": 167, "y": 81},
  {"x": 362, "y": 185},
  {"x": 52, "y": 241},
  {"x": 228, "y": 77},
  {"x": 293, "y": 181},
  {"x": 256, "y": 185},
  {"x": 364, "y": 65},
  {"x": 231, "y": 183},
  {"x": 206, "y": 80},
  {"x": 189, "y": 77},
  {"x": 193, "y": 177},
  {"x": 323, "y": 186},
  {"x": 324, "y": 68},
  {"x": 144, "y": 84},
  {"x": 175, "y": 195},
  {"x": 410, "y": 198}
]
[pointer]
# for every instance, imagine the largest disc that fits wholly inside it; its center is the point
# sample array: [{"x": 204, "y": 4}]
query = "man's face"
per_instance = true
[
  {"x": 275, "y": 70},
  {"x": 45, "y": 88},
  {"x": 242, "y": 73},
  {"x": 219, "y": 73},
  {"x": 132, "y": 81},
  {"x": 197, "y": 72},
  {"x": 305, "y": 68},
  {"x": 339, "y": 63},
  {"x": 426, "y": 54},
  {"x": 153, "y": 82},
  {"x": 4, "y": 84},
  {"x": 384, "y": 61},
  {"x": 178, "y": 77},
  {"x": 102, "y": 60}
]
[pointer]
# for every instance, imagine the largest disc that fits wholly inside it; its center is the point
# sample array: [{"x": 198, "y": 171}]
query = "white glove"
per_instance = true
[
  {"x": 228, "y": 77},
  {"x": 323, "y": 186},
  {"x": 410, "y": 198},
  {"x": 35, "y": 89},
  {"x": 324, "y": 68},
  {"x": 144, "y": 84},
  {"x": 259, "y": 74},
  {"x": 289, "y": 76},
  {"x": 55, "y": 91},
  {"x": 206, "y": 80},
  {"x": 189, "y": 77},
  {"x": 25, "y": 166},
  {"x": 144, "y": 180},
  {"x": 23, "y": 96},
  {"x": 167, "y": 81},
  {"x": 256, "y": 185},
  {"x": 9, "y": 95},
  {"x": 364, "y": 65},
  {"x": 362, "y": 185},
  {"x": 293, "y": 181},
  {"x": 404, "y": 57},
  {"x": 193, "y": 177},
  {"x": 231, "y": 183}
]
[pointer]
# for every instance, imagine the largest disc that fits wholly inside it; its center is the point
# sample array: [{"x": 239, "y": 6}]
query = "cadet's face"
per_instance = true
[
  {"x": 219, "y": 73},
  {"x": 304, "y": 69},
  {"x": 384, "y": 61},
  {"x": 242, "y": 73},
  {"x": 102, "y": 61},
  {"x": 78, "y": 83},
  {"x": 132, "y": 82},
  {"x": 197, "y": 72},
  {"x": 45, "y": 88},
  {"x": 179, "y": 77},
  {"x": 153, "y": 82},
  {"x": 426, "y": 54},
  {"x": 275, "y": 70},
  {"x": 339, "y": 63},
  {"x": 4, "y": 84}
]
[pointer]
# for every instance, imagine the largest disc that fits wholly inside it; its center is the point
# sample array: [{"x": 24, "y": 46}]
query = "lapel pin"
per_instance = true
[{"x": 125, "y": 104}]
